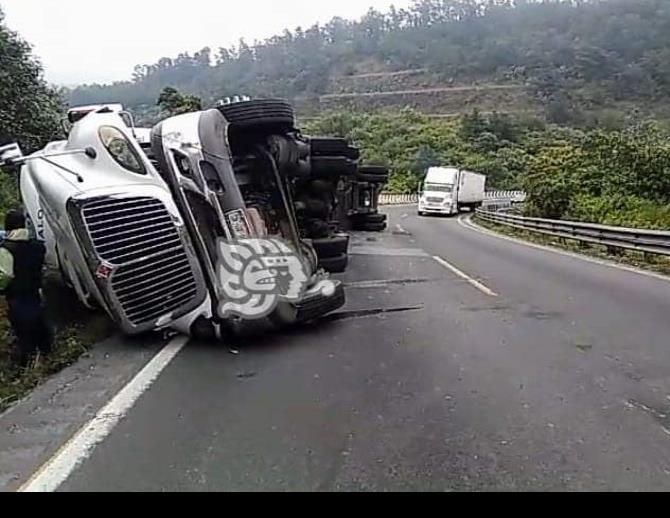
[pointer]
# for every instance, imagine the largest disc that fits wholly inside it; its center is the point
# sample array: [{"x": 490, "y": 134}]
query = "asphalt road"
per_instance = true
[{"x": 552, "y": 373}]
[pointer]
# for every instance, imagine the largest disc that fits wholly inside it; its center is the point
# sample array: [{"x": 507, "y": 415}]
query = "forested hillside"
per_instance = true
[
  {"x": 30, "y": 111},
  {"x": 578, "y": 62},
  {"x": 431, "y": 85},
  {"x": 618, "y": 177}
]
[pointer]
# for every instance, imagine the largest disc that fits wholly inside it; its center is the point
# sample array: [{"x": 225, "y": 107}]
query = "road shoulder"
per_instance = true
[
  {"x": 468, "y": 223},
  {"x": 36, "y": 427}
]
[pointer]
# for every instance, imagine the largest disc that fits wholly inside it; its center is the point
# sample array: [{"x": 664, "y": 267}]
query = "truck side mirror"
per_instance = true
[{"x": 11, "y": 155}]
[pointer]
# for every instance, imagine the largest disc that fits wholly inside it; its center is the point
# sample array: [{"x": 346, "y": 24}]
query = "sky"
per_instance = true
[{"x": 87, "y": 41}]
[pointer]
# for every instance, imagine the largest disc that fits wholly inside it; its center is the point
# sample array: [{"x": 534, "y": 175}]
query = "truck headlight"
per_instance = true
[{"x": 121, "y": 150}]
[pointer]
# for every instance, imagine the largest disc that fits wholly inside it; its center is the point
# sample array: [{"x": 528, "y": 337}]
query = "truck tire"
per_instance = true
[
  {"x": 374, "y": 169},
  {"x": 333, "y": 147},
  {"x": 373, "y": 174},
  {"x": 333, "y": 166},
  {"x": 373, "y": 227},
  {"x": 316, "y": 208},
  {"x": 321, "y": 189},
  {"x": 374, "y": 218},
  {"x": 337, "y": 264},
  {"x": 371, "y": 222},
  {"x": 372, "y": 178},
  {"x": 260, "y": 113},
  {"x": 331, "y": 246},
  {"x": 318, "y": 229}
]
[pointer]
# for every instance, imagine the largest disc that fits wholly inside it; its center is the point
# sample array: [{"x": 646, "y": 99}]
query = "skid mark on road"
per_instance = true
[
  {"x": 543, "y": 316},
  {"x": 659, "y": 415},
  {"x": 364, "y": 285},
  {"x": 485, "y": 309},
  {"x": 367, "y": 313}
]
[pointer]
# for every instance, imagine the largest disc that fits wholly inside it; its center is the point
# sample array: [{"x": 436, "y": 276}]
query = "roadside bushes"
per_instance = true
[
  {"x": 617, "y": 178},
  {"x": 30, "y": 109},
  {"x": 623, "y": 211},
  {"x": 409, "y": 143},
  {"x": 9, "y": 193}
]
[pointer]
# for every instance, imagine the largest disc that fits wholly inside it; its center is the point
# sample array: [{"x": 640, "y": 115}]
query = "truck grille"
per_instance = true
[
  {"x": 434, "y": 200},
  {"x": 153, "y": 275}
]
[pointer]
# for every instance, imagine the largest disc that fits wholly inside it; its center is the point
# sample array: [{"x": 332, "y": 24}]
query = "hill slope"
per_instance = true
[{"x": 567, "y": 59}]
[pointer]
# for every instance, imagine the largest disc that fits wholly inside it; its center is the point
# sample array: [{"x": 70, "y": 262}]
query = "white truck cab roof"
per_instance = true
[
  {"x": 442, "y": 175},
  {"x": 76, "y": 113}
]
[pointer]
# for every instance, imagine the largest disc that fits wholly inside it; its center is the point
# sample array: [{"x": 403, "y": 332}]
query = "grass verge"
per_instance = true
[
  {"x": 653, "y": 263},
  {"x": 77, "y": 329}
]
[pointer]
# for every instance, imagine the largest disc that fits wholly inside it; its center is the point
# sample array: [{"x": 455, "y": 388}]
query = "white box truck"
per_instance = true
[{"x": 448, "y": 190}]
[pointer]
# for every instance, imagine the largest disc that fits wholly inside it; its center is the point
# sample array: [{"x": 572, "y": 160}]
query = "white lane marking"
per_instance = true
[
  {"x": 481, "y": 287},
  {"x": 467, "y": 223},
  {"x": 72, "y": 454}
]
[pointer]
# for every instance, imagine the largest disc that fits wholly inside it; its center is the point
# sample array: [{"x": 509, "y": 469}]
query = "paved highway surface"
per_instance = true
[{"x": 462, "y": 362}]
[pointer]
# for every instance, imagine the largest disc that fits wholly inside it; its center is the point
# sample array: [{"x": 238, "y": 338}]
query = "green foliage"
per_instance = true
[
  {"x": 173, "y": 102},
  {"x": 619, "y": 177},
  {"x": 616, "y": 177},
  {"x": 618, "y": 210},
  {"x": 30, "y": 110},
  {"x": 77, "y": 330},
  {"x": 406, "y": 141},
  {"x": 409, "y": 143},
  {"x": 551, "y": 180},
  {"x": 9, "y": 192}
]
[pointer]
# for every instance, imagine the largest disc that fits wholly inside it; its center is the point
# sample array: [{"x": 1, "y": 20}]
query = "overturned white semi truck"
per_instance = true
[{"x": 132, "y": 217}]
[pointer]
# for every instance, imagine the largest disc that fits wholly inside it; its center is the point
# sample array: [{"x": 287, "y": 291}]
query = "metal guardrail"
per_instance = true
[
  {"x": 648, "y": 241},
  {"x": 512, "y": 196},
  {"x": 398, "y": 199},
  {"x": 409, "y": 199}
]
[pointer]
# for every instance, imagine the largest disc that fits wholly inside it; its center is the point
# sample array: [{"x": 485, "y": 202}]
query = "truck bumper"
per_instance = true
[
  {"x": 317, "y": 305},
  {"x": 446, "y": 211}
]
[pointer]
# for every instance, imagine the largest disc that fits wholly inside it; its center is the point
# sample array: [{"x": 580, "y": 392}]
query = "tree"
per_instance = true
[
  {"x": 173, "y": 102},
  {"x": 473, "y": 125},
  {"x": 30, "y": 110},
  {"x": 578, "y": 57},
  {"x": 425, "y": 158}
]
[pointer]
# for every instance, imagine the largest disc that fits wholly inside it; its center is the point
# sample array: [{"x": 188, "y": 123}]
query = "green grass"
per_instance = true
[
  {"x": 77, "y": 329},
  {"x": 654, "y": 263}
]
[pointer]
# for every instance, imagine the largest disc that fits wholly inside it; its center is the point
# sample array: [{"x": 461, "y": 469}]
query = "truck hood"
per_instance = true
[
  {"x": 55, "y": 177},
  {"x": 437, "y": 194}
]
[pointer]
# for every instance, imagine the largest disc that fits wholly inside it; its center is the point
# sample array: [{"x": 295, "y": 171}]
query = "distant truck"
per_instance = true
[{"x": 448, "y": 190}]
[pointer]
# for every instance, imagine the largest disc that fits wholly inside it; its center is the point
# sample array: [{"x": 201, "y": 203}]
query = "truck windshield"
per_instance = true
[{"x": 439, "y": 187}]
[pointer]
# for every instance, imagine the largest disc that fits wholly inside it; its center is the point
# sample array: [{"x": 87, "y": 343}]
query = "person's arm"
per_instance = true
[{"x": 6, "y": 269}]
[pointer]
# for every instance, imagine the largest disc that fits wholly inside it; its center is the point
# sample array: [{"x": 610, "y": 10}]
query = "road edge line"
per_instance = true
[
  {"x": 55, "y": 471},
  {"x": 473, "y": 282},
  {"x": 467, "y": 223}
]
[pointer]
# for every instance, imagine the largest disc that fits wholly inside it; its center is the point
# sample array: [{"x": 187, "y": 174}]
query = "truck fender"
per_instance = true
[{"x": 35, "y": 216}]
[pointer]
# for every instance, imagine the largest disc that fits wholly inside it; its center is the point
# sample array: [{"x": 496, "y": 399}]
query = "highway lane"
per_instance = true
[{"x": 561, "y": 381}]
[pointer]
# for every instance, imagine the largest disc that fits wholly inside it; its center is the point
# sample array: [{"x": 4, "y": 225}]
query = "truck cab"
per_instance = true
[
  {"x": 134, "y": 219},
  {"x": 448, "y": 190}
]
